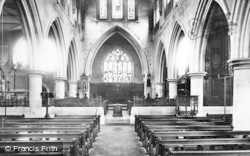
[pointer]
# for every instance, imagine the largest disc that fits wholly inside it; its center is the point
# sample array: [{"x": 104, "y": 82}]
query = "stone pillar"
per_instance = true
[
  {"x": 159, "y": 89},
  {"x": 146, "y": 89},
  {"x": 60, "y": 87},
  {"x": 72, "y": 88},
  {"x": 172, "y": 88},
  {"x": 241, "y": 93},
  {"x": 196, "y": 89},
  {"x": 35, "y": 90}
]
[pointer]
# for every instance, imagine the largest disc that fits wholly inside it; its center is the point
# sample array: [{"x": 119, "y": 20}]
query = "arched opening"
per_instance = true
[
  {"x": 181, "y": 63},
  {"x": 163, "y": 73},
  {"x": 216, "y": 57},
  {"x": 71, "y": 69},
  {"x": 52, "y": 52},
  {"x": 116, "y": 73},
  {"x": 128, "y": 37},
  {"x": 14, "y": 51}
]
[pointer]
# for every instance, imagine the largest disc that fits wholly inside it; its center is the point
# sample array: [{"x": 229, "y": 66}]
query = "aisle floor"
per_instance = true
[{"x": 117, "y": 140}]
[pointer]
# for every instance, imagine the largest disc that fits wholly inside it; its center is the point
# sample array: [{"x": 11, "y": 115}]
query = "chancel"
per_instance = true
[{"x": 125, "y": 77}]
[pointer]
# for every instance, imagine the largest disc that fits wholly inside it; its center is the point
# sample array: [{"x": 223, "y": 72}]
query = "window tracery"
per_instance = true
[{"x": 117, "y": 68}]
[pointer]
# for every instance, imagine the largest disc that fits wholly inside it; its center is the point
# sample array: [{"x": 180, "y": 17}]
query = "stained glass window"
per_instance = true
[
  {"x": 117, "y": 68},
  {"x": 103, "y": 9},
  {"x": 131, "y": 9},
  {"x": 117, "y": 9}
]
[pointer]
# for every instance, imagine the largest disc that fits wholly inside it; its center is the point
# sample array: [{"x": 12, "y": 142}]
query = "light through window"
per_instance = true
[
  {"x": 117, "y": 9},
  {"x": 131, "y": 9},
  {"x": 117, "y": 68},
  {"x": 103, "y": 9}
]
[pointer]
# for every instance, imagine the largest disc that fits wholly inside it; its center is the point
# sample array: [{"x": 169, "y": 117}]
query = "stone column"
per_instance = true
[
  {"x": 172, "y": 88},
  {"x": 35, "y": 90},
  {"x": 241, "y": 93},
  {"x": 60, "y": 87},
  {"x": 196, "y": 89},
  {"x": 159, "y": 89},
  {"x": 72, "y": 88},
  {"x": 145, "y": 86}
]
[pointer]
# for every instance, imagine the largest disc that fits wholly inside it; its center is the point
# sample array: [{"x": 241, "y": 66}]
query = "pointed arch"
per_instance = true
[
  {"x": 241, "y": 16},
  {"x": 56, "y": 28},
  {"x": 72, "y": 62},
  {"x": 32, "y": 29},
  {"x": 176, "y": 33},
  {"x": 116, "y": 29},
  {"x": 201, "y": 30},
  {"x": 159, "y": 61}
]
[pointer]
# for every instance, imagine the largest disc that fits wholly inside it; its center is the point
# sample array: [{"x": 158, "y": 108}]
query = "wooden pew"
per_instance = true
[
  {"x": 163, "y": 147},
  {"x": 186, "y": 137},
  {"x": 64, "y": 147},
  {"x": 211, "y": 153},
  {"x": 164, "y": 118},
  {"x": 54, "y": 128}
]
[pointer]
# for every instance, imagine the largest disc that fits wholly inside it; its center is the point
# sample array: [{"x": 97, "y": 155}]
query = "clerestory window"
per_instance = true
[{"x": 117, "y": 10}]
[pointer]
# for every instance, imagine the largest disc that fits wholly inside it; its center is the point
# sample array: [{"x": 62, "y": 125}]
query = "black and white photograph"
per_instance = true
[{"x": 124, "y": 77}]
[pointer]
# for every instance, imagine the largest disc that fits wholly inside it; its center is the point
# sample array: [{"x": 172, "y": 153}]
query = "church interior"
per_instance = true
[{"x": 125, "y": 77}]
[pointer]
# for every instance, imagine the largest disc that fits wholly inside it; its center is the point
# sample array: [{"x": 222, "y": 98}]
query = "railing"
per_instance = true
[
  {"x": 76, "y": 102},
  {"x": 186, "y": 106},
  {"x": 140, "y": 102},
  {"x": 14, "y": 99},
  {"x": 80, "y": 102},
  {"x": 14, "y": 102}
]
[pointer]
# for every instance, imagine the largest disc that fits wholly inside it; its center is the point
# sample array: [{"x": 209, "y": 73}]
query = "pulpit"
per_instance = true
[{"x": 117, "y": 110}]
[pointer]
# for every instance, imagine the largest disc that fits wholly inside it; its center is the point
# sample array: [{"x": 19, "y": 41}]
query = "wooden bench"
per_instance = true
[
  {"x": 163, "y": 147},
  {"x": 191, "y": 136},
  {"x": 77, "y": 133},
  {"x": 211, "y": 153}
]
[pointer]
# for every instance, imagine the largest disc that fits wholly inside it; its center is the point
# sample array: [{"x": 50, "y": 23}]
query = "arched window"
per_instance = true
[
  {"x": 117, "y": 10},
  {"x": 117, "y": 68}
]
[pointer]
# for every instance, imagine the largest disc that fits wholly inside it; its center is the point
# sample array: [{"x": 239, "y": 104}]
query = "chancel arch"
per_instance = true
[
  {"x": 117, "y": 71},
  {"x": 116, "y": 29}
]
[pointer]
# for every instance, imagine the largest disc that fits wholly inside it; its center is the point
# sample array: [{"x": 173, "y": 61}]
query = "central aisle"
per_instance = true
[{"x": 117, "y": 140}]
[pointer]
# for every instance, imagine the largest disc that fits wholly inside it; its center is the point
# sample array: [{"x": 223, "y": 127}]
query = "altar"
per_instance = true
[{"x": 117, "y": 110}]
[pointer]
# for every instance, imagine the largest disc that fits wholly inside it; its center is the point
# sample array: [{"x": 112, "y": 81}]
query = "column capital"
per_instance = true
[
  {"x": 36, "y": 72},
  {"x": 172, "y": 80},
  {"x": 197, "y": 74},
  {"x": 60, "y": 78},
  {"x": 240, "y": 63}
]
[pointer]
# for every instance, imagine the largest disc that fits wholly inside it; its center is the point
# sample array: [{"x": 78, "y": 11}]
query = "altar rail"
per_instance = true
[
  {"x": 140, "y": 102},
  {"x": 14, "y": 99},
  {"x": 14, "y": 102},
  {"x": 80, "y": 102}
]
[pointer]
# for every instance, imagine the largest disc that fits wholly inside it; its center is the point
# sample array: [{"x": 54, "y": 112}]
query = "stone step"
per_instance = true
[
  {"x": 117, "y": 121},
  {"x": 110, "y": 107}
]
